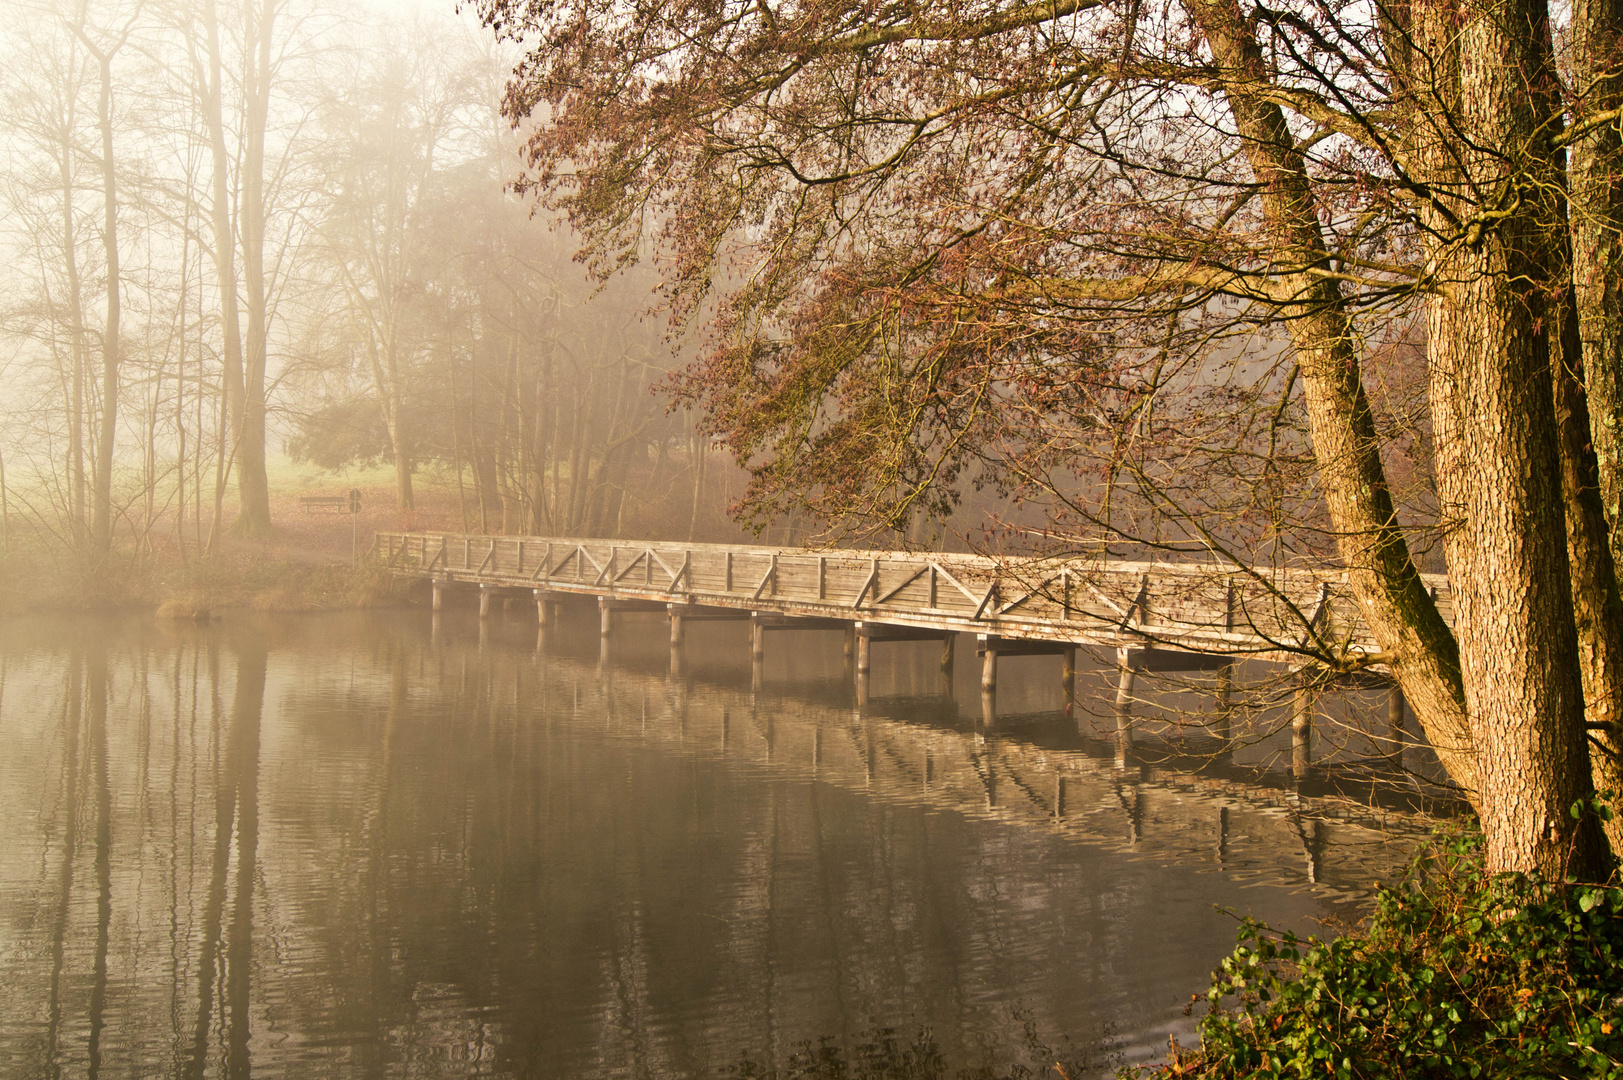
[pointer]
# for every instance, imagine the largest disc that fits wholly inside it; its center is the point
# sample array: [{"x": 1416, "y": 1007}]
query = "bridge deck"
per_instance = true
[{"x": 1265, "y": 613}]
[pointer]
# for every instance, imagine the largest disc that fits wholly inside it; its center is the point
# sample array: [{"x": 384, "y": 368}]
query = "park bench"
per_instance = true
[{"x": 331, "y": 504}]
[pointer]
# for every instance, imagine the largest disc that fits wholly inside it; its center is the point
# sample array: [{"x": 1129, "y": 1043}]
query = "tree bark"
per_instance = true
[
  {"x": 1596, "y": 606},
  {"x": 225, "y": 259},
  {"x": 76, "y": 329},
  {"x": 1595, "y": 193},
  {"x": 101, "y": 531},
  {"x": 1391, "y": 596},
  {"x": 1490, "y": 323},
  {"x": 253, "y": 485},
  {"x": 1505, "y": 712},
  {"x": 1595, "y": 178}
]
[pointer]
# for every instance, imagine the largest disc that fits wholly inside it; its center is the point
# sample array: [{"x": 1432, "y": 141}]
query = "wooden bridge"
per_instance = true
[{"x": 1156, "y": 616}]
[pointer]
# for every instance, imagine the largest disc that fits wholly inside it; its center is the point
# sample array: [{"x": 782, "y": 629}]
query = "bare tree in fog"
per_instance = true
[
  {"x": 233, "y": 225},
  {"x": 458, "y": 332}
]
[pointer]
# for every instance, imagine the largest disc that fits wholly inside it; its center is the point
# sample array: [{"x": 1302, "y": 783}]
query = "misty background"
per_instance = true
[{"x": 259, "y": 248}]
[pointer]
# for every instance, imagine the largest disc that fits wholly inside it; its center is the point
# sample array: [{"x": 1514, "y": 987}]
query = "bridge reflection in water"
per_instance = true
[{"x": 342, "y": 844}]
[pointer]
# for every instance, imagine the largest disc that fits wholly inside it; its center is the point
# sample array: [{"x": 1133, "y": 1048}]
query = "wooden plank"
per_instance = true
[
  {"x": 986, "y": 601},
  {"x": 920, "y": 572},
  {"x": 954, "y": 582},
  {"x": 771, "y": 578},
  {"x": 1205, "y": 608},
  {"x": 871, "y": 583}
]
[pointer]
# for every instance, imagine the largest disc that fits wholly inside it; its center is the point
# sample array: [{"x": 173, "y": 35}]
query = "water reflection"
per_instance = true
[{"x": 357, "y": 845}]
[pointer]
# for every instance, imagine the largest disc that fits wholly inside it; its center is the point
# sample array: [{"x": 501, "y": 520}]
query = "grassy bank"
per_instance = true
[
  {"x": 45, "y": 580},
  {"x": 1459, "y": 973}
]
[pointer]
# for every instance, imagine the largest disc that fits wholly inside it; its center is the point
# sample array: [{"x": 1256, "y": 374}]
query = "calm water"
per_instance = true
[{"x": 352, "y": 846}]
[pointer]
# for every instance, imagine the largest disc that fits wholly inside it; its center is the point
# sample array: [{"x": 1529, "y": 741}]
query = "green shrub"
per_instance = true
[{"x": 1459, "y": 973}]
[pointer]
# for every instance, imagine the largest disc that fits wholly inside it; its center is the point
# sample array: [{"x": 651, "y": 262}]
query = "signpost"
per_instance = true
[{"x": 354, "y": 516}]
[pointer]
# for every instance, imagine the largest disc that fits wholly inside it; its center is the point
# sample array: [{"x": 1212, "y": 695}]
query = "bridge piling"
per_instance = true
[
  {"x": 1124, "y": 704},
  {"x": 1302, "y": 726},
  {"x": 605, "y": 616},
  {"x": 543, "y": 606},
  {"x": 486, "y": 592}
]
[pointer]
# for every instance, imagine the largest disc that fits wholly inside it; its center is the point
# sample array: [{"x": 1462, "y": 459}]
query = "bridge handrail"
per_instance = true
[{"x": 1204, "y": 606}]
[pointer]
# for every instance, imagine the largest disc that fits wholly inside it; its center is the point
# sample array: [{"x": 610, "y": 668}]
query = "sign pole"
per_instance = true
[{"x": 354, "y": 516}]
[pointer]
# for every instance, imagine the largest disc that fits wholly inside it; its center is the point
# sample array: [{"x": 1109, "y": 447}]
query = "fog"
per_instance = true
[{"x": 250, "y": 245}]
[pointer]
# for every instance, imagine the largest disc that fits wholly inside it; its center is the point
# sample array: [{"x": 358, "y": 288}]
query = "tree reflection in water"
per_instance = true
[{"x": 340, "y": 845}]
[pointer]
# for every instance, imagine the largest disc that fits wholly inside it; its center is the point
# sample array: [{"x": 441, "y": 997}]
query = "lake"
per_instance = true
[{"x": 372, "y": 844}]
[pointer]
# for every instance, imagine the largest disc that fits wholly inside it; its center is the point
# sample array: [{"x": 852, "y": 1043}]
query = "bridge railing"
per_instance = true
[{"x": 1202, "y": 607}]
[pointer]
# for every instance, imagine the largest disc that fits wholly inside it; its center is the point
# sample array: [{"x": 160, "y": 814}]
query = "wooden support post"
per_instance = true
[
  {"x": 1302, "y": 727},
  {"x": 543, "y": 607},
  {"x": 988, "y": 666},
  {"x": 757, "y": 653},
  {"x": 485, "y": 593},
  {"x": 677, "y": 628},
  {"x": 439, "y": 596},
  {"x": 864, "y": 665},
  {"x": 1124, "y": 704},
  {"x": 988, "y": 708},
  {"x": 1124, "y": 680},
  {"x": 1394, "y": 724},
  {"x": 949, "y": 649},
  {"x": 1067, "y": 676},
  {"x": 605, "y": 613},
  {"x": 1225, "y": 694}
]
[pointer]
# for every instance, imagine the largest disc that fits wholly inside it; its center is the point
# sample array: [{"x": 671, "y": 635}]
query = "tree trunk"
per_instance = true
[
  {"x": 102, "y": 492},
  {"x": 77, "y": 502},
  {"x": 1490, "y": 324},
  {"x": 1597, "y": 608},
  {"x": 1595, "y": 185},
  {"x": 386, "y": 375},
  {"x": 253, "y": 485},
  {"x": 225, "y": 263},
  {"x": 1595, "y": 176},
  {"x": 1505, "y": 713}
]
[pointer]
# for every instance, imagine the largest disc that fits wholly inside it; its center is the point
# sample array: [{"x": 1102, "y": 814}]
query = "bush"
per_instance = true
[{"x": 1459, "y": 973}]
